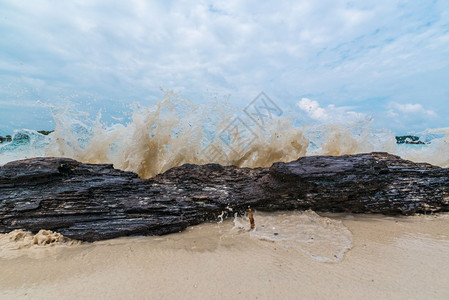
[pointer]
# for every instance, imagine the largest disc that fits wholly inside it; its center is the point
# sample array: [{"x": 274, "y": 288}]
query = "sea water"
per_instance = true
[{"x": 176, "y": 131}]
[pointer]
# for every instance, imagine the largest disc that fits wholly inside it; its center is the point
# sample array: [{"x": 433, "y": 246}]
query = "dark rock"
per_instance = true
[
  {"x": 94, "y": 202},
  {"x": 409, "y": 139}
]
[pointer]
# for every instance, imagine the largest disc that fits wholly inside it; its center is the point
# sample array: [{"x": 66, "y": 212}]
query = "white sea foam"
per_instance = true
[
  {"x": 19, "y": 242},
  {"x": 321, "y": 238},
  {"x": 175, "y": 131}
]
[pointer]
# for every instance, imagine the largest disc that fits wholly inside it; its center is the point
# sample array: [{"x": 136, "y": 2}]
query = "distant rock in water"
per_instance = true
[
  {"x": 94, "y": 202},
  {"x": 45, "y": 132},
  {"x": 5, "y": 139},
  {"x": 408, "y": 139}
]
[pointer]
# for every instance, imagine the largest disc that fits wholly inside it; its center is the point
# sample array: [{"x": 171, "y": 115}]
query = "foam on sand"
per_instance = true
[
  {"x": 11, "y": 243},
  {"x": 322, "y": 238}
]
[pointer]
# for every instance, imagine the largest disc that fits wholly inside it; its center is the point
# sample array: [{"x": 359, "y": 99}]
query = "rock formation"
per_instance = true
[{"x": 94, "y": 202}]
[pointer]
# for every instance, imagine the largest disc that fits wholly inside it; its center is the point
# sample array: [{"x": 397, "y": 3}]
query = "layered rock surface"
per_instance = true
[{"x": 95, "y": 202}]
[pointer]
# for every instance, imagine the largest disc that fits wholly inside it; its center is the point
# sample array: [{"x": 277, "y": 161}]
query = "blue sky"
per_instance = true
[{"x": 385, "y": 58}]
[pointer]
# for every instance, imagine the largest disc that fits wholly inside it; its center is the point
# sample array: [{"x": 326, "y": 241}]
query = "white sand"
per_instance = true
[{"x": 390, "y": 258}]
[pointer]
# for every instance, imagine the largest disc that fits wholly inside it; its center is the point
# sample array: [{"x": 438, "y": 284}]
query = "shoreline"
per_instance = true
[{"x": 391, "y": 257}]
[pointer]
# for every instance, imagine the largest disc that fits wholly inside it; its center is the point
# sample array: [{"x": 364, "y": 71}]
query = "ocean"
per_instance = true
[{"x": 174, "y": 131}]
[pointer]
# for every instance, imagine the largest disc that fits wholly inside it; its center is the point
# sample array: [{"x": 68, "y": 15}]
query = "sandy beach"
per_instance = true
[{"x": 383, "y": 258}]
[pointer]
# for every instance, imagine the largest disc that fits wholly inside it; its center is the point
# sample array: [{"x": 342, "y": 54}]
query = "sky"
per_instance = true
[{"x": 385, "y": 58}]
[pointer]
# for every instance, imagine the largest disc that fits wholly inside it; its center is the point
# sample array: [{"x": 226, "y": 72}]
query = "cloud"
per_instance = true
[
  {"x": 337, "y": 51},
  {"x": 329, "y": 114},
  {"x": 412, "y": 117},
  {"x": 313, "y": 109},
  {"x": 410, "y": 108}
]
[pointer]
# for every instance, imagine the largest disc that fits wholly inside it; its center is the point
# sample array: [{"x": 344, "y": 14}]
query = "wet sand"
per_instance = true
[{"x": 388, "y": 258}]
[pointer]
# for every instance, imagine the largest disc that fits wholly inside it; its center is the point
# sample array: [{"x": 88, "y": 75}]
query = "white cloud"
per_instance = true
[
  {"x": 392, "y": 113},
  {"x": 329, "y": 114},
  {"x": 339, "y": 52},
  {"x": 410, "y": 108},
  {"x": 313, "y": 109},
  {"x": 411, "y": 117}
]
